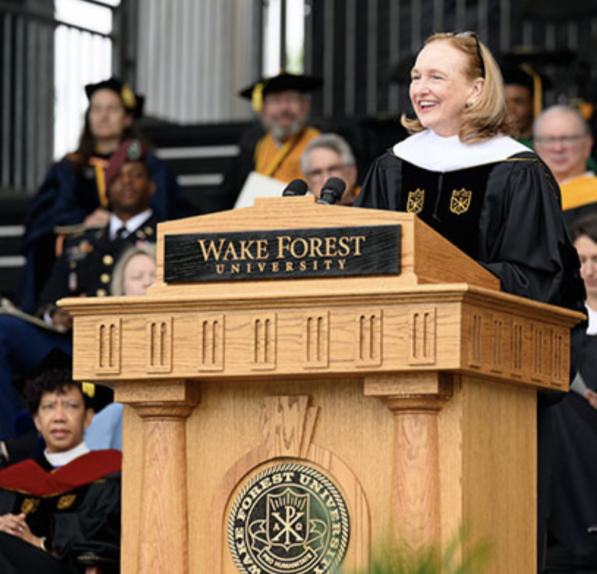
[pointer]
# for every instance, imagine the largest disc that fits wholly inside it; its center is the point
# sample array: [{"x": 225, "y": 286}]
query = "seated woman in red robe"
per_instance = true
[{"x": 65, "y": 506}]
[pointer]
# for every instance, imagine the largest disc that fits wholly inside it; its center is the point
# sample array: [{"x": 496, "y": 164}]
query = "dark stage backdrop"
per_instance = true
[{"x": 361, "y": 47}]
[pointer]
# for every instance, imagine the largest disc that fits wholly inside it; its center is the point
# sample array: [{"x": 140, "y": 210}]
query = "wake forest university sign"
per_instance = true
[
  {"x": 283, "y": 254},
  {"x": 290, "y": 518}
]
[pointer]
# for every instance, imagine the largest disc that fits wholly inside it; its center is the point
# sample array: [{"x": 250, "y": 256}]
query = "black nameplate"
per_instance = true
[{"x": 282, "y": 254}]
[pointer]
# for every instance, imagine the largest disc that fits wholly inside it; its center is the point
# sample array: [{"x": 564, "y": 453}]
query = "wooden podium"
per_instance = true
[{"x": 291, "y": 423}]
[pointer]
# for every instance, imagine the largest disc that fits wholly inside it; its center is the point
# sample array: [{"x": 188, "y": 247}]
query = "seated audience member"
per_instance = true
[
  {"x": 133, "y": 274},
  {"x": 74, "y": 190},
  {"x": 84, "y": 269},
  {"x": 329, "y": 155},
  {"x": 283, "y": 106},
  {"x": 563, "y": 140},
  {"x": 574, "y": 496},
  {"x": 67, "y": 502},
  {"x": 524, "y": 94}
]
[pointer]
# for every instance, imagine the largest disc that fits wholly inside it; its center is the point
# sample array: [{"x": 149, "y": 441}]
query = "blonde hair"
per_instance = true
[
  {"x": 488, "y": 116},
  {"x": 117, "y": 284}
]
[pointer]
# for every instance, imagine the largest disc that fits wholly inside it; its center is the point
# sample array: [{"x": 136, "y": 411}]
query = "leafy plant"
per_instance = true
[{"x": 392, "y": 560}]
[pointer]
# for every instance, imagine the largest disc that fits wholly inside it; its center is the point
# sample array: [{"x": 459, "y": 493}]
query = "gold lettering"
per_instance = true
[
  {"x": 344, "y": 246},
  {"x": 330, "y": 246},
  {"x": 220, "y": 268},
  {"x": 211, "y": 249},
  {"x": 235, "y": 268},
  {"x": 342, "y": 263},
  {"x": 245, "y": 249},
  {"x": 328, "y": 264},
  {"x": 275, "y": 266},
  {"x": 262, "y": 249},
  {"x": 230, "y": 252},
  {"x": 293, "y": 250},
  {"x": 289, "y": 266},
  {"x": 357, "y": 247},
  {"x": 316, "y": 243},
  {"x": 315, "y": 265},
  {"x": 261, "y": 267},
  {"x": 249, "y": 268},
  {"x": 303, "y": 265},
  {"x": 283, "y": 245}
]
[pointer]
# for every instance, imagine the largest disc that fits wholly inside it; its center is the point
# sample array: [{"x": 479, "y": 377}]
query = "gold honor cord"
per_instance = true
[
  {"x": 99, "y": 165},
  {"x": 537, "y": 89}
]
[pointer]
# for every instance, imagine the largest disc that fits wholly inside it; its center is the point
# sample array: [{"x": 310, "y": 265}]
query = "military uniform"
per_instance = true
[
  {"x": 87, "y": 262},
  {"x": 84, "y": 268}
]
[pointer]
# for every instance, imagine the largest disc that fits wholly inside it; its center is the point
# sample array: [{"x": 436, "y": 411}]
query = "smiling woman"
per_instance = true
[
  {"x": 483, "y": 191},
  {"x": 462, "y": 175}
]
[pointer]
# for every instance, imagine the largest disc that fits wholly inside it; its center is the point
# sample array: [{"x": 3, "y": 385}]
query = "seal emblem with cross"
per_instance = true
[{"x": 289, "y": 518}]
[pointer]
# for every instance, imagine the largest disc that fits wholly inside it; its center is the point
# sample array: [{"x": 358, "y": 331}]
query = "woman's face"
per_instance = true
[
  {"x": 439, "y": 89},
  {"x": 107, "y": 116},
  {"x": 587, "y": 253},
  {"x": 139, "y": 274}
]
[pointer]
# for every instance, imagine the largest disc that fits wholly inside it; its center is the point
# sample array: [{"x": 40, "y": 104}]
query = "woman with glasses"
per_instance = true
[{"x": 463, "y": 175}]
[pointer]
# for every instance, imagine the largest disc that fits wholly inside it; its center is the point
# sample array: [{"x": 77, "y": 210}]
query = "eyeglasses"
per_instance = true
[
  {"x": 564, "y": 140},
  {"x": 332, "y": 171},
  {"x": 475, "y": 36}
]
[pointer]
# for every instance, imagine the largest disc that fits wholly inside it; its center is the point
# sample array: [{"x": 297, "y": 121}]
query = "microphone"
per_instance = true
[
  {"x": 332, "y": 191},
  {"x": 295, "y": 187}
]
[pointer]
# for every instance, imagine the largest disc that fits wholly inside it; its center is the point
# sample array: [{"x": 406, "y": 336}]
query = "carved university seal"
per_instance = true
[{"x": 289, "y": 518}]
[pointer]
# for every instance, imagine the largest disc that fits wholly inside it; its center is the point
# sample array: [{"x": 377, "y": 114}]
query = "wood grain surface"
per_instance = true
[{"x": 414, "y": 394}]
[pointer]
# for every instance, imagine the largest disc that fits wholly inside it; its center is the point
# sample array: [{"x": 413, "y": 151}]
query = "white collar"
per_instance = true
[
  {"x": 131, "y": 225},
  {"x": 435, "y": 153},
  {"x": 58, "y": 459},
  {"x": 592, "y": 315}
]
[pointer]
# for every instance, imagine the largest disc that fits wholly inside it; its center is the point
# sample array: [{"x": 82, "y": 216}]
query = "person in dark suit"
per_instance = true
[{"x": 84, "y": 269}]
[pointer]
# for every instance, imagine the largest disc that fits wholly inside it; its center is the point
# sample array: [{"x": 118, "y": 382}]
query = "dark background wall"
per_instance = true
[{"x": 361, "y": 47}]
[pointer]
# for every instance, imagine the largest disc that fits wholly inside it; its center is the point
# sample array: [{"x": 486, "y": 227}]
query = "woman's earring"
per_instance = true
[{"x": 469, "y": 104}]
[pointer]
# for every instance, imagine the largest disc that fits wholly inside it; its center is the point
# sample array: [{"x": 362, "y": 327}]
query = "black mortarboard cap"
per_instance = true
[
  {"x": 280, "y": 83},
  {"x": 524, "y": 75},
  {"x": 519, "y": 77},
  {"x": 132, "y": 102},
  {"x": 96, "y": 397}
]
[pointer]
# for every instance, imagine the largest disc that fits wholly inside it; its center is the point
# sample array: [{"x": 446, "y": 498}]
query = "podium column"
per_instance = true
[
  {"x": 163, "y": 409},
  {"x": 415, "y": 400}
]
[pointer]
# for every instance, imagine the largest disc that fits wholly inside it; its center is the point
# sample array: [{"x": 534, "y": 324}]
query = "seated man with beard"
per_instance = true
[{"x": 283, "y": 106}]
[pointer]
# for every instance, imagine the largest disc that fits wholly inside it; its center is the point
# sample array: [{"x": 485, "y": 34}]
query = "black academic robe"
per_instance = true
[
  {"x": 505, "y": 215},
  {"x": 574, "y": 488},
  {"x": 77, "y": 507}
]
